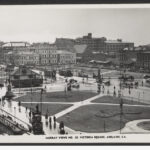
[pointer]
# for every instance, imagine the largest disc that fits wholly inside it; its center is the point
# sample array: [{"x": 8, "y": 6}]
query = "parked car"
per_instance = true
[
  {"x": 75, "y": 85},
  {"x": 72, "y": 81},
  {"x": 107, "y": 83},
  {"x": 146, "y": 76},
  {"x": 148, "y": 80}
]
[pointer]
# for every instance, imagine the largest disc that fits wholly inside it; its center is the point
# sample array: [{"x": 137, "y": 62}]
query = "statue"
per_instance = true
[{"x": 9, "y": 93}]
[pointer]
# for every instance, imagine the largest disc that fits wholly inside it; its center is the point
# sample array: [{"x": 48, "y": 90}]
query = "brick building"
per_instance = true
[
  {"x": 143, "y": 60},
  {"x": 94, "y": 44},
  {"x": 127, "y": 57},
  {"x": 112, "y": 46}
]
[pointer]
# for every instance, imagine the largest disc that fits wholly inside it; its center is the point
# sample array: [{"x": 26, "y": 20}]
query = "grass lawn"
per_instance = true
[
  {"x": 116, "y": 100},
  {"x": 91, "y": 118},
  {"x": 144, "y": 125},
  {"x": 73, "y": 96},
  {"x": 51, "y": 108}
]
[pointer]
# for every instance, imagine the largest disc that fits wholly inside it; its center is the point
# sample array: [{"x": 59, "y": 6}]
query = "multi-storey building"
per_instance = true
[
  {"x": 26, "y": 58},
  {"x": 94, "y": 44},
  {"x": 13, "y": 47},
  {"x": 112, "y": 46},
  {"x": 127, "y": 57},
  {"x": 143, "y": 59},
  {"x": 22, "y": 58},
  {"x": 65, "y": 57},
  {"x": 65, "y": 44},
  {"x": 47, "y": 53}
]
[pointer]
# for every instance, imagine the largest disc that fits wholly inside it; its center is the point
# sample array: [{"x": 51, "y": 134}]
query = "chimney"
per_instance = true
[{"x": 89, "y": 35}]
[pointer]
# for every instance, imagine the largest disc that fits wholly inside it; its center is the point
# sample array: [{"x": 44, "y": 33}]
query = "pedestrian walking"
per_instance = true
[
  {"x": 30, "y": 114},
  {"x": 108, "y": 92},
  {"x": 46, "y": 117},
  {"x": 54, "y": 125},
  {"x": 19, "y": 103},
  {"x": 83, "y": 80},
  {"x": 45, "y": 88},
  {"x": 129, "y": 91},
  {"x": 114, "y": 88},
  {"x": 26, "y": 109},
  {"x": 114, "y": 93},
  {"x": 50, "y": 120},
  {"x": 142, "y": 83},
  {"x": 61, "y": 125},
  {"x": 54, "y": 119}
]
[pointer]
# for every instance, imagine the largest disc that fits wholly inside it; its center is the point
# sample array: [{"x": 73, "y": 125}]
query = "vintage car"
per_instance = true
[
  {"x": 75, "y": 85},
  {"x": 107, "y": 83}
]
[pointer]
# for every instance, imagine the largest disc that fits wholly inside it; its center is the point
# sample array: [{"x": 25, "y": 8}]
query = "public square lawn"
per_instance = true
[
  {"x": 90, "y": 118},
  {"x": 144, "y": 125},
  {"x": 70, "y": 96},
  {"x": 52, "y": 109},
  {"x": 116, "y": 100}
]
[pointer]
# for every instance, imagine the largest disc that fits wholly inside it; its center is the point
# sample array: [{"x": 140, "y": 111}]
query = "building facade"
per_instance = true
[
  {"x": 21, "y": 58},
  {"x": 47, "y": 53},
  {"x": 13, "y": 47},
  {"x": 94, "y": 44},
  {"x": 143, "y": 60},
  {"x": 113, "y": 46},
  {"x": 127, "y": 57},
  {"x": 26, "y": 58},
  {"x": 65, "y": 44},
  {"x": 65, "y": 57}
]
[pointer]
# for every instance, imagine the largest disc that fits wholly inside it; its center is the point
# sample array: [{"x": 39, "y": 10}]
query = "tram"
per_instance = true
[{"x": 37, "y": 125}]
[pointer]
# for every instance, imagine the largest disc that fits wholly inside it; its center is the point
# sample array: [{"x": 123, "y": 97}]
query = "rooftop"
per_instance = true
[
  {"x": 116, "y": 41},
  {"x": 26, "y": 53},
  {"x": 63, "y": 52},
  {"x": 16, "y": 44},
  {"x": 80, "y": 48}
]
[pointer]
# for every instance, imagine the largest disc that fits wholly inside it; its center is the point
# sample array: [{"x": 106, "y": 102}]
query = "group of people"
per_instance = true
[
  {"x": 49, "y": 119},
  {"x": 61, "y": 125},
  {"x": 99, "y": 88}
]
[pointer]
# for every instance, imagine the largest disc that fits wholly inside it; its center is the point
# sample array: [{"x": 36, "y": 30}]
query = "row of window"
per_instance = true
[
  {"x": 29, "y": 58},
  {"x": 46, "y": 51},
  {"x": 67, "y": 61},
  {"x": 27, "y": 62},
  {"x": 49, "y": 61},
  {"x": 67, "y": 56},
  {"x": 49, "y": 56}
]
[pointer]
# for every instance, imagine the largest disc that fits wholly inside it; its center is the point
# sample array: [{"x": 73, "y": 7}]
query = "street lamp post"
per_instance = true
[
  {"x": 15, "y": 113},
  {"x": 19, "y": 79},
  {"x": 99, "y": 81},
  {"x": 41, "y": 100},
  {"x": 121, "y": 112},
  {"x": 104, "y": 126},
  {"x": 31, "y": 88}
]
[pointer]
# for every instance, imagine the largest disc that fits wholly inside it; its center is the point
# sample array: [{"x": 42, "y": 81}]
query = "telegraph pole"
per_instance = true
[
  {"x": 121, "y": 112},
  {"x": 19, "y": 79},
  {"x": 31, "y": 89},
  {"x": 41, "y": 100}
]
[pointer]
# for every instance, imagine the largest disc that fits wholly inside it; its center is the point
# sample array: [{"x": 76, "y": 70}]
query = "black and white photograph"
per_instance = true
[{"x": 75, "y": 73}]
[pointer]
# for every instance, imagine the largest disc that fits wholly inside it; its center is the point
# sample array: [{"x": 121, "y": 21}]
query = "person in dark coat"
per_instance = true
[
  {"x": 50, "y": 120},
  {"x": 54, "y": 118}
]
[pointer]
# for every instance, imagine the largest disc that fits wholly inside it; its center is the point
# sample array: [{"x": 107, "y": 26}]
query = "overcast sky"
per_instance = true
[{"x": 45, "y": 23}]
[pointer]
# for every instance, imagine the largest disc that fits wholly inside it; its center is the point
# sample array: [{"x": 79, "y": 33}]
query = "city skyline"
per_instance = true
[{"x": 46, "y": 23}]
